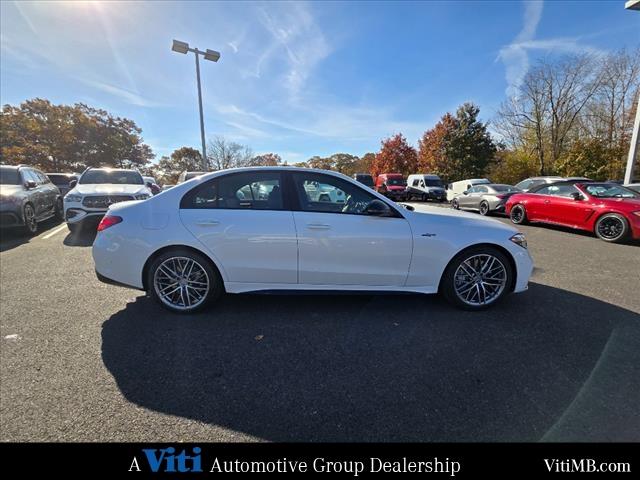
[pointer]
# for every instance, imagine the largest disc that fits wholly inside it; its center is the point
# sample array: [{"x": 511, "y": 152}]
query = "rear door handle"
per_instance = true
[
  {"x": 318, "y": 226},
  {"x": 207, "y": 223}
]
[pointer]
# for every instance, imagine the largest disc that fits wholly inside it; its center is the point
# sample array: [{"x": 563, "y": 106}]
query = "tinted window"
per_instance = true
[
  {"x": 395, "y": 181},
  {"x": 416, "y": 182},
  {"x": 29, "y": 175},
  {"x": 559, "y": 190},
  {"x": 482, "y": 190},
  {"x": 433, "y": 183},
  {"x": 119, "y": 177},
  {"x": 325, "y": 193},
  {"x": 60, "y": 179},
  {"x": 251, "y": 191},
  {"x": 609, "y": 190},
  {"x": 9, "y": 176}
]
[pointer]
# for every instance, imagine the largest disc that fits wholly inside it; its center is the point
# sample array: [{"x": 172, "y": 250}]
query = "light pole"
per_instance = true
[{"x": 212, "y": 55}]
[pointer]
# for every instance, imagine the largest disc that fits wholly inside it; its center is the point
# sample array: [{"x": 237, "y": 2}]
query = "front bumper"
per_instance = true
[
  {"x": 11, "y": 216},
  {"x": 396, "y": 195}
]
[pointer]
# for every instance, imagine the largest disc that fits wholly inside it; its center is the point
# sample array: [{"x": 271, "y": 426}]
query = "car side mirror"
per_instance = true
[
  {"x": 466, "y": 192},
  {"x": 576, "y": 196},
  {"x": 30, "y": 184},
  {"x": 378, "y": 208},
  {"x": 73, "y": 183}
]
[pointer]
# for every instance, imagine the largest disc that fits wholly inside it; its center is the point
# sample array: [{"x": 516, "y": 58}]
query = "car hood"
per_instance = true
[
  {"x": 8, "y": 190},
  {"x": 109, "y": 189},
  {"x": 459, "y": 219}
]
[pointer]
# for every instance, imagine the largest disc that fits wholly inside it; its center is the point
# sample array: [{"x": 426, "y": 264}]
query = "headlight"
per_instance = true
[
  {"x": 142, "y": 196},
  {"x": 72, "y": 198},
  {"x": 519, "y": 239}
]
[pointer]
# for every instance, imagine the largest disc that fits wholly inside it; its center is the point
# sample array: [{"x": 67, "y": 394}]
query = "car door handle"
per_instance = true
[
  {"x": 547, "y": 201},
  {"x": 318, "y": 226},
  {"x": 207, "y": 223}
]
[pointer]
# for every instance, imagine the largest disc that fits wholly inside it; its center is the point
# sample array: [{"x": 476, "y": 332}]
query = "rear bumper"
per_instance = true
[{"x": 110, "y": 281}]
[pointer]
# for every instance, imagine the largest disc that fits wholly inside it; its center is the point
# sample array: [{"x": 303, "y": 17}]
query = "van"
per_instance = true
[
  {"x": 364, "y": 178},
  {"x": 391, "y": 185},
  {"x": 425, "y": 187},
  {"x": 456, "y": 188}
]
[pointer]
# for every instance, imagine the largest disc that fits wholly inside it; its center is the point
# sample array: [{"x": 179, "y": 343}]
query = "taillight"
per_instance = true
[
  {"x": 108, "y": 221},
  {"x": 501, "y": 196}
]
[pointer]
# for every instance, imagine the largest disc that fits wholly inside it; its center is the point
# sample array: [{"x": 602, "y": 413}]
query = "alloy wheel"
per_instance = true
[
  {"x": 611, "y": 228},
  {"x": 480, "y": 279},
  {"x": 181, "y": 283},
  {"x": 30, "y": 219},
  {"x": 484, "y": 208}
]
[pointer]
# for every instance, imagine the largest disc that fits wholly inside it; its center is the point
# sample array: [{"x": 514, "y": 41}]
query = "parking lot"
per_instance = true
[{"x": 84, "y": 361}]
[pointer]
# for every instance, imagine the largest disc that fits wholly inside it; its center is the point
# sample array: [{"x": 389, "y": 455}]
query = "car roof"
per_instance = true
[{"x": 562, "y": 182}]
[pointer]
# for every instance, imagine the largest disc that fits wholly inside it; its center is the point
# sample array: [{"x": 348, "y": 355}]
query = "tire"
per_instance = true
[
  {"x": 484, "y": 209},
  {"x": 205, "y": 280},
  {"x": 518, "y": 214},
  {"x": 462, "y": 290},
  {"x": 455, "y": 204},
  {"x": 30, "y": 221},
  {"x": 59, "y": 210},
  {"x": 611, "y": 227}
]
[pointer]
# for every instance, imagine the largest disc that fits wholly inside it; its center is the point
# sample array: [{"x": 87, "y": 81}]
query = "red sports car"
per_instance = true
[{"x": 609, "y": 210}]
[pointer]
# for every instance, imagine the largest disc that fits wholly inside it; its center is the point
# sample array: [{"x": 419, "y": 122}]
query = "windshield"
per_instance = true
[
  {"x": 609, "y": 190},
  {"x": 60, "y": 179},
  {"x": 433, "y": 183},
  {"x": 119, "y": 177},
  {"x": 9, "y": 176},
  {"x": 395, "y": 182}
]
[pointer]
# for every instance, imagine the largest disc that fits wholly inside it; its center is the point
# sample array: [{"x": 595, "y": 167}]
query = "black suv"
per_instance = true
[{"x": 27, "y": 197}]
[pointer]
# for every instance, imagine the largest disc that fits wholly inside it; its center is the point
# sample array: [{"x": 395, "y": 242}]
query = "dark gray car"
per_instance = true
[
  {"x": 62, "y": 180},
  {"x": 486, "y": 198},
  {"x": 27, "y": 197}
]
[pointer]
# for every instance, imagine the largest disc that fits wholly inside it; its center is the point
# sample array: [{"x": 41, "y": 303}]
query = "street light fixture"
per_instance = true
[{"x": 211, "y": 55}]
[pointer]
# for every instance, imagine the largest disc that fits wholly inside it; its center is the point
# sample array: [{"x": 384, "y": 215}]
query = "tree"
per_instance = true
[
  {"x": 69, "y": 138},
  {"x": 458, "y": 146},
  {"x": 511, "y": 166},
  {"x": 266, "y": 160},
  {"x": 395, "y": 156},
  {"x": 222, "y": 154},
  {"x": 168, "y": 169}
]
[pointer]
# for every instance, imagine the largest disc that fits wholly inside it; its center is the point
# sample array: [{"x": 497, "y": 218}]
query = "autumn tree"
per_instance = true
[
  {"x": 458, "y": 146},
  {"x": 168, "y": 169},
  {"x": 395, "y": 156},
  {"x": 69, "y": 138},
  {"x": 266, "y": 160}
]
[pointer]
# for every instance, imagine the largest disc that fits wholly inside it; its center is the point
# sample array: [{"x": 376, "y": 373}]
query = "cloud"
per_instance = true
[
  {"x": 128, "y": 96},
  {"x": 515, "y": 56}
]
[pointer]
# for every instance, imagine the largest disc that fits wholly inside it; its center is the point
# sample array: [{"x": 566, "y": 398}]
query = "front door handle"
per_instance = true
[
  {"x": 207, "y": 223},
  {"x": 318, "y": 226},
  {"x": 547, "y": 201}
]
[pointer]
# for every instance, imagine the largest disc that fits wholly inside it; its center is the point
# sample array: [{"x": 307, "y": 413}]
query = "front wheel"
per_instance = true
[
  {"x": 612, "y": 227},
  {"x": 183, "y": 281},
  {"x": 30, "y": 221},
  {"x": 477, "y": 278}
]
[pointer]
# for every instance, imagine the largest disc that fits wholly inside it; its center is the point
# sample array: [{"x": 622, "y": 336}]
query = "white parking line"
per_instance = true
[{"x": 51, "y": 234}]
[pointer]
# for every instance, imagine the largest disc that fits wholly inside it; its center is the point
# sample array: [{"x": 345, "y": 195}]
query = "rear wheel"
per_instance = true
[
  {"x": 518, "y": 215},
  {"x": 183, "y": 281},
  {"x": 611, "y": 227},
  {"x": 477, "y": 278},
  {"x": 30, "y": 221},
  {"x": 484, "y": 208}
]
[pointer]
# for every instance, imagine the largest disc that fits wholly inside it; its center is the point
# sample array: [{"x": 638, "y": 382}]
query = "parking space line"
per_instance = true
[{"x": 51, "y": 234}]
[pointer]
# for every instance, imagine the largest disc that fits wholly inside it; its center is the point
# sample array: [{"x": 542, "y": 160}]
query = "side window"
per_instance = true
[
  {"x": 416, "y": 182},
  {"x": 243, "y": 191},
  {"x": 472, "y": 190},
  {"x": 544, "y": 191},
  {"x": 42, "y": 178},
  {"x": 325, "y": 193},
  {"x": 565, "y": 190},
  {"x": 483, "y": 190},
  {"x": 30, "y": 176}
]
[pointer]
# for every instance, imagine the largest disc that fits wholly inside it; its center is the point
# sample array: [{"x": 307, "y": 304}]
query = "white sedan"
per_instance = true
[{"x": 259, "y": 229}]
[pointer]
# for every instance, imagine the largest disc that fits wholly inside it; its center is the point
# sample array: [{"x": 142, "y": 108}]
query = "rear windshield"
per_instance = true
[
  {"x": 9, "y": 176},
  {"x": 119, "y": 177}
]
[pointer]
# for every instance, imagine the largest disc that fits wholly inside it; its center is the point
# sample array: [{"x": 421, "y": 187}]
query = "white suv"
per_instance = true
[{"x": 97, "y": 189}]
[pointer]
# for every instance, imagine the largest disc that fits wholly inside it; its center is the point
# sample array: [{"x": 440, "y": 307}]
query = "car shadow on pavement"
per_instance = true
[
  {"x": 547, "y": 364},
  {"x": 14, "y": 237},
  {"x": 83, "y": 238}
]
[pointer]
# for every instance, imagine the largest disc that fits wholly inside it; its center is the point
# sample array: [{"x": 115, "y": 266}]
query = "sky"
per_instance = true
[{"x": 294, "y": 78}]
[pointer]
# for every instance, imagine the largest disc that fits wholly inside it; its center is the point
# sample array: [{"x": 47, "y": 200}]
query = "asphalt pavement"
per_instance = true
[{"x": 84, "y": 361}]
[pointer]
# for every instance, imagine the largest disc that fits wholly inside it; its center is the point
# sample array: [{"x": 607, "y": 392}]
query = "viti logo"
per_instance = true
[{"x": 167, "y": 460}]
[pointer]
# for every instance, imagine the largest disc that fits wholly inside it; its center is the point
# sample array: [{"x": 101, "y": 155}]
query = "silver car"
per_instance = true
[
  {"x": 486, "y": 198},
  {"x": 531, "y": 182}
]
